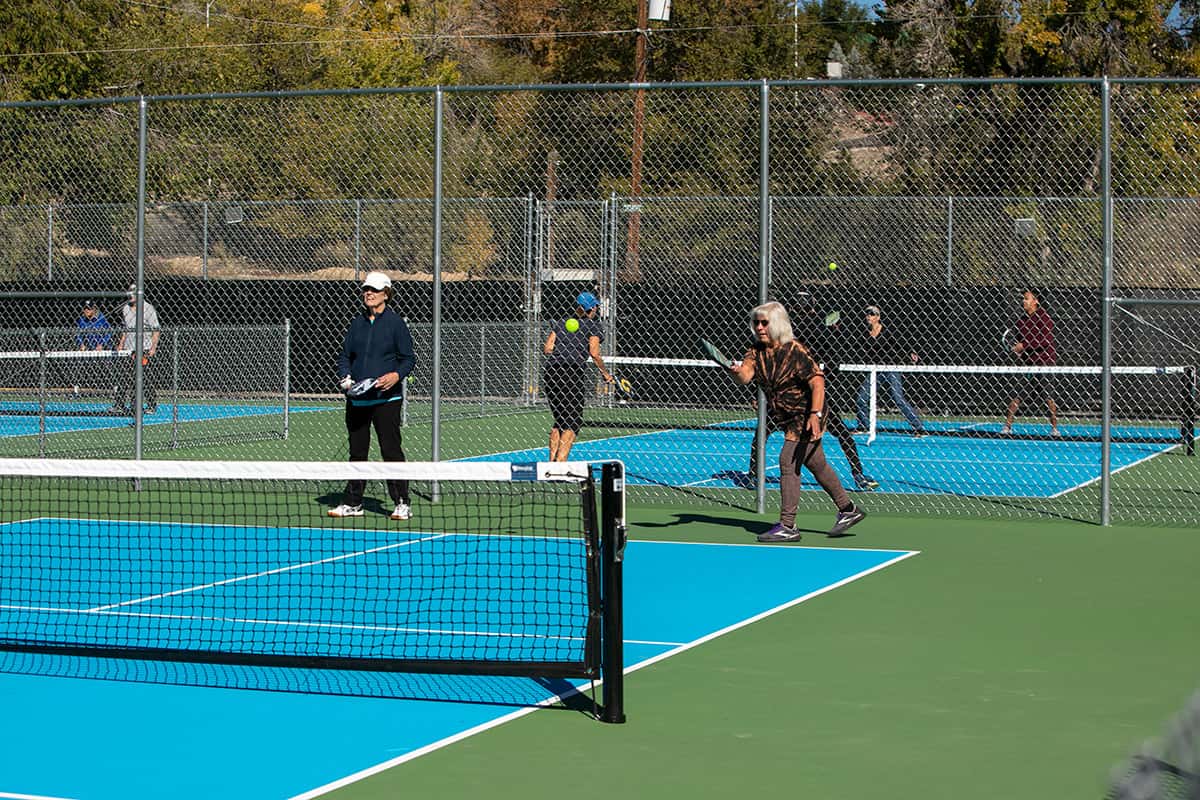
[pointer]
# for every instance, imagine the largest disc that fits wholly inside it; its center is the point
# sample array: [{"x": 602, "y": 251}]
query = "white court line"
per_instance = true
[
  {"x": 264, "y": 573},
  {"x": 15, "y": 796},
  {"x": 1113, "y": 472},
  {"x": 438, "y": 745},
  {"x": 582, "y": 442}
]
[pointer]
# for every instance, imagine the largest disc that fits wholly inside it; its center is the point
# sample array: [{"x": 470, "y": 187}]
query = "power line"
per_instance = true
[{"x": 415, "y": 37}]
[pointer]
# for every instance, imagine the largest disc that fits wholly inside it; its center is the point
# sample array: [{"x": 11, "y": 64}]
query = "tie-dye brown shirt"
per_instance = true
[{"x": 783, "y": 374}]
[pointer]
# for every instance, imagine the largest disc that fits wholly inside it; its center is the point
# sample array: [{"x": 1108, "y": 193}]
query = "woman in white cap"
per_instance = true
[
  {"x": 378, "y": 346},
  {"x": 568, "y": 347}
]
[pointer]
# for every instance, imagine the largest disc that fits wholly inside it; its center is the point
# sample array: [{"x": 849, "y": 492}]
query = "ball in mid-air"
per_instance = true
[
  {"x": 572, "y": 325},
  {"x": 832, "y": 266}
]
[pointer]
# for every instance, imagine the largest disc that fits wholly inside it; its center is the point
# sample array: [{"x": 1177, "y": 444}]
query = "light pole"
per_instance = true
[{"x": 659, "y": 10}]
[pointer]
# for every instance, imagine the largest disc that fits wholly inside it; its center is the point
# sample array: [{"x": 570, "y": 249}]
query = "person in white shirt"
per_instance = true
[{"x": 145, "y": 350}]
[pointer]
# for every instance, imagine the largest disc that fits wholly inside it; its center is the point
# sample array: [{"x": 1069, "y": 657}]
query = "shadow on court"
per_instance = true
[{"x": 501, "y": 691}]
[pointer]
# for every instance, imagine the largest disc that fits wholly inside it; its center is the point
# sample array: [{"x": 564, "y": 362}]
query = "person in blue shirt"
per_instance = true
[
  {"x": 564, "y": 376},
  {"x": 94, "y": 331},
  {"x": 378, "y": 345}
]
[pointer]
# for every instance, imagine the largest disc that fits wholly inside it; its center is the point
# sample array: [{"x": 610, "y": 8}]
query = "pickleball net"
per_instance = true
[
  {"x": 1154, "y": 404},
  {"x": 1148, "y": 403},
  {"x": 503, "y": 569}
]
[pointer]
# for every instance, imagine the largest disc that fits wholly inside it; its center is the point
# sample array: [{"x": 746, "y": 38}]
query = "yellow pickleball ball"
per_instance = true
[
  {"x": 832, "y": 266},
  {"x": 572, "y": 325}
]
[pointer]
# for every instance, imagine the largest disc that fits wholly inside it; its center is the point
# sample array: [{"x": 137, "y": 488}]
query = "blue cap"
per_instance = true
[{"x": 587, "y": 301}]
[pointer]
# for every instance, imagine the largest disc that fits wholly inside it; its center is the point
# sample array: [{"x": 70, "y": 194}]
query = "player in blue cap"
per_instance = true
[{"x": 564, "y": 377}]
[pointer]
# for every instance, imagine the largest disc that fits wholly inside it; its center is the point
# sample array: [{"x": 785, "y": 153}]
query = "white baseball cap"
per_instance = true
[{"x": 377, "y": 280}]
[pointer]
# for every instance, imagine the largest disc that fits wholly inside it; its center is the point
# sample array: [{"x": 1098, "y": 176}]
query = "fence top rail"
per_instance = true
[
  {"x": 917, "y": 83},
  {"x": 618, "y": 198}
]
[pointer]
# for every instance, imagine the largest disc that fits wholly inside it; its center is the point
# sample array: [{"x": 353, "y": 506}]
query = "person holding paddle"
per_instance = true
[
  {"x": 1034, "y": 345},
  {"x": 568, "y": 347},
  {"x": 146, "y": 349},
  {"x": 795, "y": 392},
  {"x": 377, "y": 355},
  {"x": 821, "y": 336},
  {"x": 882, "y": 345}
]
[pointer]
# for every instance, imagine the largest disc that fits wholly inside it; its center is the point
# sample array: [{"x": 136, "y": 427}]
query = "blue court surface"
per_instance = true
[
  {"x": 1028, "y": 464},
  {"x": 110, "y": 729},
  {"x": 21, "y": 419}
]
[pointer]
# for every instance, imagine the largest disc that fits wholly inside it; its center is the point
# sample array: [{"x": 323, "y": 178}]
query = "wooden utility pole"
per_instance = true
[{"x": 632, "y": 270}]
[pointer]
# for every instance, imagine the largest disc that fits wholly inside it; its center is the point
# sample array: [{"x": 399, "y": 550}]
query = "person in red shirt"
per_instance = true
[{"x": 1034, "y": 346}]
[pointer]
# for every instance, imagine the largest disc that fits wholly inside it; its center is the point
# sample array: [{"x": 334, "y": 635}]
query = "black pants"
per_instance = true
[
  {"x": 386, "y": 419},
  {"x": 128, "y": 376}
]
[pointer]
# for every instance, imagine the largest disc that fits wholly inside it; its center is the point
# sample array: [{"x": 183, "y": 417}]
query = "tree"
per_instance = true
[{"x": 33, "y": 32}]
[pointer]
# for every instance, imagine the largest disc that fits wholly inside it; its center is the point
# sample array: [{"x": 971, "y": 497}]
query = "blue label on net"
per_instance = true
[{"x": 524, "y": 472}]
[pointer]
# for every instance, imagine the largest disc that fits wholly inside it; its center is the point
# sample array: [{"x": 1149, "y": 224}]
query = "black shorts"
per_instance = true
[
  {"x": 1034, "y": 386},
  {"x": 564, "y": 385}
]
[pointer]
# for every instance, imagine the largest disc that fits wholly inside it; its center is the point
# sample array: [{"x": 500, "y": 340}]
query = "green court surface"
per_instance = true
[{"x": 1007, "y": 660}]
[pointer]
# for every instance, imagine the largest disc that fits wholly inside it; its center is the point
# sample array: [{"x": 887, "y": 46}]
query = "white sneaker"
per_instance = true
[
  {"x": 346, "y": 510},
  {"x": 402, "y": 511},
  {"x": 1055, "y": 434},
  {"x": 1006, "y": 430}
]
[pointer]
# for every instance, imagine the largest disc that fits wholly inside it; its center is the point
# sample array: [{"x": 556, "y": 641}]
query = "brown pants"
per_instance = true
[{"x": 811, "y": 454}]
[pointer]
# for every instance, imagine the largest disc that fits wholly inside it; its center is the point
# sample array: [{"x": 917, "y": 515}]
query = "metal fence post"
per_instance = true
[
  {"x": 139, "y": 328},
  {"x": 949, "y": 241},
  {"x": 1106, "y": 292},
  {"x": 204, "y": 244},
  {"x": 530, "y": 304},
  {"x": 357, "y": 239},
  {"x": 764, "y": 277},
  {"x": 435, "y": 444},
  {"x": 43, "y": 384},
  {"x": 50, "y": 242},
  {"x": 287, "y": 376},
  {"x": 174, "y": 390}
]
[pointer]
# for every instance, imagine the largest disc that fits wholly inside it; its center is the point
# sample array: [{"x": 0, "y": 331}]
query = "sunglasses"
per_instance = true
[
  {"x": 369, "y": 290},
  {"x": 758, "y": 322}
]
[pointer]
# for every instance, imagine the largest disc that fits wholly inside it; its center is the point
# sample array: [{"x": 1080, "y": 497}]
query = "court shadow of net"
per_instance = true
[
  {"x": 750, "y": 526},
  {"x": 718, "y": 497},
  {"x": 508, "y": 692}
]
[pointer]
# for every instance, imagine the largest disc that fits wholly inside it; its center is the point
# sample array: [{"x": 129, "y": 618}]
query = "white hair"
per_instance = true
[{"x": 779, "y": 324}]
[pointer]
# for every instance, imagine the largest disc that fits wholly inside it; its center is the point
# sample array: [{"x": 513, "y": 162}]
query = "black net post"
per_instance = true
[{"x": 612, "y": 547}]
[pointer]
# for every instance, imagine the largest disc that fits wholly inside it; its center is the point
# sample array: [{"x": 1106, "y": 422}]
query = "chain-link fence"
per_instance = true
[{"x": 681, "y": 207}]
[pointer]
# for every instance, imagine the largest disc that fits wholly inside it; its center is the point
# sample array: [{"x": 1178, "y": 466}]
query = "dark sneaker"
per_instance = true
[
  {"x": 778, "y": 533},
  {"x": 865, "y": 483},
  {"x": 845, "y": 521}
]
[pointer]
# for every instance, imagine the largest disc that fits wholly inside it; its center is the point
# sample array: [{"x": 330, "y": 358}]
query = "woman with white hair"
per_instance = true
[{"x": 795, "y": 392}]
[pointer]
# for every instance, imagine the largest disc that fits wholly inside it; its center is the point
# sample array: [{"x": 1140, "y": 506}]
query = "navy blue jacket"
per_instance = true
[{"x": 376, "y": 347}]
